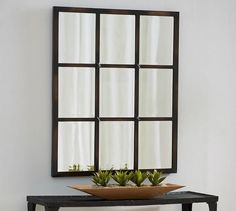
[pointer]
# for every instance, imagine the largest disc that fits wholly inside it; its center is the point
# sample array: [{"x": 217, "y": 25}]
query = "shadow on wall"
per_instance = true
[
  {"x": 196, "y": 207},
  {"x": 141, "y": 208}
]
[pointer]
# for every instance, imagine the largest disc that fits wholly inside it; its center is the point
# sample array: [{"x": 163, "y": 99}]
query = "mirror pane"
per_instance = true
[
  {"x": 155, "y": 144},
  {"x": 76, "y": 92},
  {"x": 117, "y": 39},
  {"x": 116, "y": 145},
  {"x": 155, "y": 92},
  {"x": 76, "y": 37},
  {"x": 156, "y": 40},
  {"x": 75, "y": 146},
  {"x": 117, "y": 92}
]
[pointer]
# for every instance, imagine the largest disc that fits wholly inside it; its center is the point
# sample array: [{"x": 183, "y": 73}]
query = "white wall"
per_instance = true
[{"x": 207, "y": 99}]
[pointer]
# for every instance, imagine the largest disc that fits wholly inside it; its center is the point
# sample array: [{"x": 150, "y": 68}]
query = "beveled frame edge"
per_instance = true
[
  {"x": 55, "y": 65},
  {"x": 115, "y": 11},
  {"x": 54, "y": 159},
  {"x": 175, "y": 93}
]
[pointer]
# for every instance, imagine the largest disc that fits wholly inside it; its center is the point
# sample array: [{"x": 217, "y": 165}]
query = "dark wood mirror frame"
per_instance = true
[{"x": 97, "y": 66}]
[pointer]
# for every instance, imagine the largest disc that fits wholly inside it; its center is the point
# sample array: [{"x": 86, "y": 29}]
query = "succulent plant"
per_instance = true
[
  {"x": 75, "y": 167},
  {"x": 138, "y": 177},
  {"x": 122, "y": 177},
  {"x": 102, "y": 178},
  {"x": 156, "y": 177}
]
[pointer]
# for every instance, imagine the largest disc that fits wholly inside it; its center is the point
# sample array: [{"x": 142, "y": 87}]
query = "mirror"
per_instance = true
[
  {"x": 117, "y": 34},
  {"x": 115, "y": 90},
  {"x": 76, "y": 38},
  {"x": 156, "y": 40},
  {"x": 116, "y": 152},
  {"x": 75, "y": 146},
  {"x": 155, "y": 144},
  {"x": 73, "y": 100},
  {"x": 155, "y": 95}
]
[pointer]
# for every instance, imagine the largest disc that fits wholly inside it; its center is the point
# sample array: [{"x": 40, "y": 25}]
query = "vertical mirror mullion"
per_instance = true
[
  {"x": 97, "y": 85},
  {"x": 136, "y": 109}
]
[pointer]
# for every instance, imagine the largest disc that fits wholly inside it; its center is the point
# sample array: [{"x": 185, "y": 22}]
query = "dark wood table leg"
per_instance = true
[
  {"x": 186, "y": 207},
  {"x": 31, "y": 206},
  {"x": 212, "y": 206},
  {"x": 52, "y": 208}
]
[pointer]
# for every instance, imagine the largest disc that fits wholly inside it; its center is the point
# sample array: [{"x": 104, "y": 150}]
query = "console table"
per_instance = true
[{"x": 186, "y": 198}]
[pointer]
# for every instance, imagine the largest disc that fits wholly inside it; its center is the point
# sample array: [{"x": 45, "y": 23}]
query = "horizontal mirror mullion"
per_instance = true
[
  {"x": 147, "y": 66},
  {"x": 117, "y": 65},
  {"x": 155, "y": 119},
  {"x": 144, "y": 66},
  {"x": 76, "y": 65},
  {"x": 76, "y": 119},
  {"x": 117, "y": 119}
]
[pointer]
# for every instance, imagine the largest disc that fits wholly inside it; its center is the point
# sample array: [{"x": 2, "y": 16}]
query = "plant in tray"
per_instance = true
[
  {"x": 156, "y": 177},
  {"x": 122, "y": 177},
  {"x": 102, "y": 178},
  {"x": 138, "y": 177}
]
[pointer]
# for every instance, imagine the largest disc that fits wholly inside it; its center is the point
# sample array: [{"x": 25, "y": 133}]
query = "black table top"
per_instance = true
[{"x": 184, "y": 197}]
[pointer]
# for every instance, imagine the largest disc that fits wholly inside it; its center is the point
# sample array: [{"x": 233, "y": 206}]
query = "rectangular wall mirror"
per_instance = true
[{"x": 115, "y": 90}]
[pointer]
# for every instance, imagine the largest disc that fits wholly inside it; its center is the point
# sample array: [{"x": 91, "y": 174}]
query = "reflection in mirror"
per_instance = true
[
  {"x": 155, "y": 92},
  {"x": 117, "y": 92},
  {"x": 117, "y": 35},
  {"x": 76, "y": 92},
  {"x": 155, "y": 144},
  {"x": 75, "y": 146},
  {"x": 76, "y": 37},
  {"x": 156, "y": 40},
  {"x": 116, "y": 147}
]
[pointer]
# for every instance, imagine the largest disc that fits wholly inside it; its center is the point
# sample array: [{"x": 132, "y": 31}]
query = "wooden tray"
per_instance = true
[{"x": 127, "y": 192}]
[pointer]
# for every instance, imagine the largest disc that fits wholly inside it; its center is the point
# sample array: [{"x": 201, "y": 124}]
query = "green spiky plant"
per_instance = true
[
  {"x": 102, "y": 178},
  {"x": 138, "y": 177},
  {"x": 156, "y": 177},
  {"x": 122, "y": 177},
  {"x": 75, "y": 167}
]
